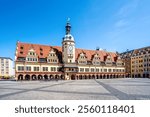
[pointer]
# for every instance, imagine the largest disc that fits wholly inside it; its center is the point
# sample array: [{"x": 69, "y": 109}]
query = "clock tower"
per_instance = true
[
  {"x": 68, "y": 54},
  {"x": 68, "y": 46}
]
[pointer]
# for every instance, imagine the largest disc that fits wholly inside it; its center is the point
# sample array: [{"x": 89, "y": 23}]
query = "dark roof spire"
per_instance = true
[{"x": 68, "y": 26}]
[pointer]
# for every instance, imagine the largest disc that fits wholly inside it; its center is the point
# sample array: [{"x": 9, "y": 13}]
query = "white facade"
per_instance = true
[{"x": 6, "y": 67}]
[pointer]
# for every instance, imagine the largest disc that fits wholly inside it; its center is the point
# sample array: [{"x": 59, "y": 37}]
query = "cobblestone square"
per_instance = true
[{"x": 98, "y": 89}]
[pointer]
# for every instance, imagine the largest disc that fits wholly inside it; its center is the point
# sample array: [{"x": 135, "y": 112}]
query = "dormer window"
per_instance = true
[
  {"x": 41, "y": 49},
  {"x": 32, "y": 57},
  {"x": 32, "y": 53},
  {"x": 52, "y": 57},
  {"x": 21, "y": 47},
  {"x": 82, "y": 59},
  {"x": 41, "y": 54},
  {"x": 52, "y": 54},
  {"x": 120, "y": 62},
  {"x": 108, "y": 61},
  {"x": 96, "y": 59}
]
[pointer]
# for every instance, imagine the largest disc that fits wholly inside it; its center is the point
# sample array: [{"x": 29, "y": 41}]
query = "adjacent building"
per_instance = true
[
  {"x": 38, "y": 62},
  {"x": 6, "y": 67},
  {"x": 139, "y": 62},
  {"x": 126, "y": 57}
]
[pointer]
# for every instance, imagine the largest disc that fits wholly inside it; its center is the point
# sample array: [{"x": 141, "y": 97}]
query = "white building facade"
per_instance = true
[{"x": 6, "y": 67}]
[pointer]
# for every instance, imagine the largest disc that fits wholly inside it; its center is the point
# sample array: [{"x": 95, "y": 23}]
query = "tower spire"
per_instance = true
[{"x": 68, "y": 26}]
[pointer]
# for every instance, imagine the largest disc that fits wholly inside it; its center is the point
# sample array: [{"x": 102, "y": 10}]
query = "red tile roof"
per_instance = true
[{"x": 45, "y": 49}]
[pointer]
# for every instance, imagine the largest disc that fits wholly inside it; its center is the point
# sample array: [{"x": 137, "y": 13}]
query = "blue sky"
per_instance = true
[{"x": 114, "y": 25}]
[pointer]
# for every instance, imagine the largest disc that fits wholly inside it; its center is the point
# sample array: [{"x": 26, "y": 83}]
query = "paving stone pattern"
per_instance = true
[{"x": 98, "y": 89}]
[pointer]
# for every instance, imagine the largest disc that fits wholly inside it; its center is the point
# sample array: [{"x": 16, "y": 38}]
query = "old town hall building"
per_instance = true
[{"x": 43, "y": 62}]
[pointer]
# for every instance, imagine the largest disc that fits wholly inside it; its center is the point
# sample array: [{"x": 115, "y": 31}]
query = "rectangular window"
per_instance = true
[
  {"x": 105, "y": 70},
  {"x": 109, "y": 70},
  {"x": 92, "y": 70},
  {"x": 2, "y": 64},
  {"x": 53, "y": 69},
  {"x": 34, "y": 59},
  {"x": 58, "y": 68},
  {"x": 42, "y": 60},
  {"x": 28, "y": 68},
  {"x": 2, "y": 60},
  {"x": 45, "y": 68},
  {"x": 20, "y": 68},
  {"x": 81, "y": 69},
  {"x": 97, "y": 63},
  {"x": 86, "y": 69},
  {"x": 97, "y": 70},
  {"x": 36, "y": 68},
  {"x": 31, "y": 59}
]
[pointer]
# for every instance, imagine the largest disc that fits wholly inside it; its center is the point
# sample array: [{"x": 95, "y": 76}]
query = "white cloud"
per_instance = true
[
  {"x": 128, "y": 8},
  {"x": 121, "y": 23},
  {"x": 123, "y": 17}
]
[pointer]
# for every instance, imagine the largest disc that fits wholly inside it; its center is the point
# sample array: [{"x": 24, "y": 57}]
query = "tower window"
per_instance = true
[{"x": 70, "y": 61}]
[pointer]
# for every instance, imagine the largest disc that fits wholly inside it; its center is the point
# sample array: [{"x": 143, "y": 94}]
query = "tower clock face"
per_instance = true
[{"x": 70, "y": 48}]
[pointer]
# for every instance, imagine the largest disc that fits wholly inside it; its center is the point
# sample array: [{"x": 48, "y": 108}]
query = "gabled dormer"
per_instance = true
[
  {"x": 32, "y": 56},
  {"x": 96, "y": 59},
  {"x": 52, "y": 56},
  {"x": 119, "y": 61},
  {"x": 82, "y": 59},
  {"x": 108, "y": 60}
]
